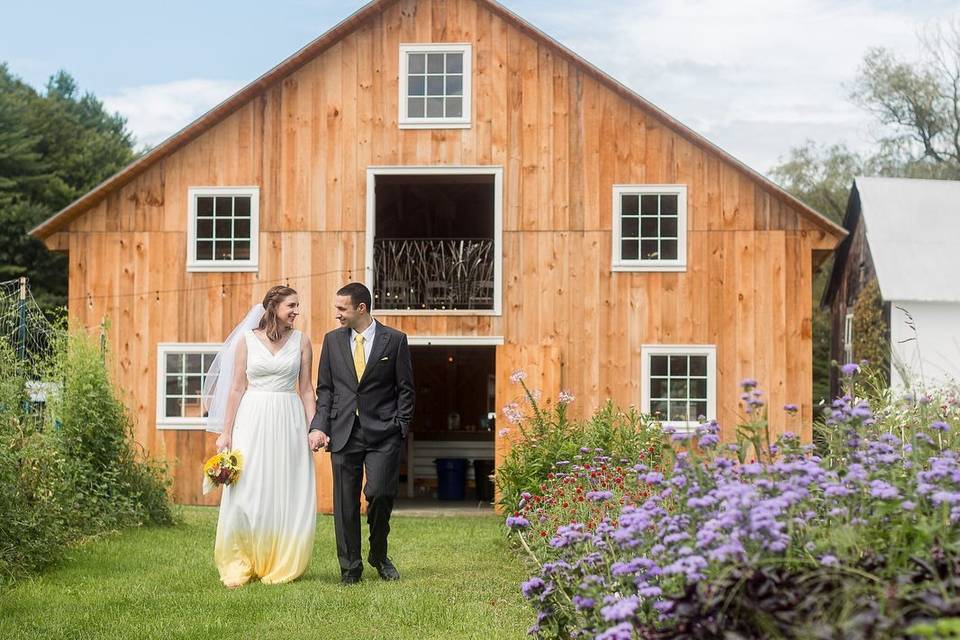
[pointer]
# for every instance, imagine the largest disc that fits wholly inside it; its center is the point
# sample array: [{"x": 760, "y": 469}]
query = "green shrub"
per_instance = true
[
  {"x": 32, "y": 531},
  {"x": 76, "y": 472},
  {"x": 549, "y": 436},
  {"x": 110, "y": 484}
]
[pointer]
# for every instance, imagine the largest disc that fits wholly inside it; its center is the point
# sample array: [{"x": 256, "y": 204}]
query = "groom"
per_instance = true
[{"x": 364, "y": 407}]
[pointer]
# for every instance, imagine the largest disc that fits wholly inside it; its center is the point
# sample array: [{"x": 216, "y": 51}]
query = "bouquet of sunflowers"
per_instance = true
[{"x": 222, "y": 469}]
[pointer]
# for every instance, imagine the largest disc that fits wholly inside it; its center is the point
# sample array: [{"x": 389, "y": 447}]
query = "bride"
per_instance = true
[{"x": 259, "y": 397}]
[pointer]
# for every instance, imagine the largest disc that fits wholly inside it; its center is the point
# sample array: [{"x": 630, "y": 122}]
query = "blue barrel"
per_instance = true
[{"x": 451, "y": 478}]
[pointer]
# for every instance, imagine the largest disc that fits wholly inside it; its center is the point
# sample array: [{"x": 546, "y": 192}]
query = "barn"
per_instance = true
[
  {"x": 510, "y": 206},
  {"x": 900, "y": 257}
]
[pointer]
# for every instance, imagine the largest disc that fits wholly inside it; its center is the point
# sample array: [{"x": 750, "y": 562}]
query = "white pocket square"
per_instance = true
[{"x": 384, "y": 358}]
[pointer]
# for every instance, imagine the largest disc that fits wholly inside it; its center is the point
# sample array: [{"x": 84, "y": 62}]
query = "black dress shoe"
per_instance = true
[
  {"x": 386, "y": 569},
  {"x": 349, "y": 579}
]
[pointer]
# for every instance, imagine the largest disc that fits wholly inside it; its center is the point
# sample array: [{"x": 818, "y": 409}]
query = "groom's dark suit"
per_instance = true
[{"x": 366, "y": 422}]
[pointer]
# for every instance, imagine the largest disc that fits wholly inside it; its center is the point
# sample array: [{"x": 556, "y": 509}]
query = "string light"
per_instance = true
[{"x": 89, "y": 297}]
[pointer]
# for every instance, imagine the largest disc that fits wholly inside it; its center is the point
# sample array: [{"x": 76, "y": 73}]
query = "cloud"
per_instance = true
[
  {"x": 750, "y": 75},
  {"x": 156, "y": 111}
]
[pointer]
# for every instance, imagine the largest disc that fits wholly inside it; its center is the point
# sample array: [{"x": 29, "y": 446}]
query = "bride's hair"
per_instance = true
[{"x": 269, "y": 323}]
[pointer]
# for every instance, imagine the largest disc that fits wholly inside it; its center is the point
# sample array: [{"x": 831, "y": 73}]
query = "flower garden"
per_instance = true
[{"x": 633, "y": 531}]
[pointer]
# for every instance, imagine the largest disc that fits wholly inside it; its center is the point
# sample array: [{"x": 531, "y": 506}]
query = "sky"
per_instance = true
[{"x": 756, "y": 77}]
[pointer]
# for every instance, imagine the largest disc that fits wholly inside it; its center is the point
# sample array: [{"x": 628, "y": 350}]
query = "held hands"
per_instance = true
[
  {"x": 318, "y": 440},
  {"x": 224, "y": 441}
]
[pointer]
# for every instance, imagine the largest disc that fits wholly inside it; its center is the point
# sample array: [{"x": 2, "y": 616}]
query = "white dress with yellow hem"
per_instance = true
[{"x": 268, "y": 516}]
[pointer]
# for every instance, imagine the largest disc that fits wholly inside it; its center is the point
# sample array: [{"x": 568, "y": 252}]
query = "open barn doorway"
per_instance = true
[{"x": 450, "y": 451}]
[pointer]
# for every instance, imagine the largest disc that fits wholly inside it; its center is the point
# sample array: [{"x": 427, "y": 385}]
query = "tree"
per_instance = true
[
  {"x": 820, "y": 176},
  {"x": 917, "y": 106},
  {"x": 54, "y": 147},
  {"x": 918, "y": 102}
]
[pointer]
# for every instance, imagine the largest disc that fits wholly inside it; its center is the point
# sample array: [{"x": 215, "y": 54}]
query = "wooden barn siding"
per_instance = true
[
  {"x": 563, "y": 140},
  {"x": 856, "y": 272}
]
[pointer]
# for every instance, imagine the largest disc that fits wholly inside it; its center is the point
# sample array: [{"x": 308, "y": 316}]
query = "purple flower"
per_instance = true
[
  {"x": 623, "y": 631},
  {"x": 939, "y": 425},
  {"x": 567, "y": 535},
  {"x": 532, "y": 587},
  {"x": 517, "y": 522},
  {"x": 791, "y": 408},
  {"x": 690, "y": 566},
  {"x": 948, "y": 497},
  {"x": 599, "y": 496},
  {"x": 653, "y": 477},
  {"x": 583, "y": 603},
  {"x": 748, "y": 383},
  {"x": 620, "y": 610},
  {"x": 829, "y": 561},
  {"x": 849, "y": 369},
  {"x": 708, "y": 441},
  {"x": 650, "y": 592},
  {"x": 883, "y": 490},
  {"x": 907, "y": 505}
]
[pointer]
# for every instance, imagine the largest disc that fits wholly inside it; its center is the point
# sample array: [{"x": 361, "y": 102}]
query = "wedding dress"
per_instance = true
[{"x": 268, "y": 516}]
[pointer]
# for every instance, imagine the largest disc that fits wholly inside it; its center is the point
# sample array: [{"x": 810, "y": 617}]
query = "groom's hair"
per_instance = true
[{"x": 358, "y": 293}]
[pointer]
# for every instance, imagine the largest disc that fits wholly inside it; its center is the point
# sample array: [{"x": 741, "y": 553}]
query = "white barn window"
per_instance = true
[
  {"x": 181, "y": 369},
  {"x": 679, "y": 384},
  {"x": 435, "y": 86},
  {"x": 649, "y": 228},
  {"x": 223, "y": 228}
]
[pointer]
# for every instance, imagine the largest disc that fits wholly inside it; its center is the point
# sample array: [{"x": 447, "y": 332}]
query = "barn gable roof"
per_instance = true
[
  {"x": 331, "y": 37},
  {"x": 912, "y": 228}
]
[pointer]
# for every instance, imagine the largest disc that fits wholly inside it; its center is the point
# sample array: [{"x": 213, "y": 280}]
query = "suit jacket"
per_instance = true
[{"x": 385, "y": 394}]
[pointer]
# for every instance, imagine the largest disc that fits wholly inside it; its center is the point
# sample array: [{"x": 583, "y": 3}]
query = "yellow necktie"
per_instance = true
[{"x": 359, "y": 362}]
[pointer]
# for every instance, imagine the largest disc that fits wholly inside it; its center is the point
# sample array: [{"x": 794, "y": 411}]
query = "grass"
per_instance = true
[{"x": 460, "y": 580}]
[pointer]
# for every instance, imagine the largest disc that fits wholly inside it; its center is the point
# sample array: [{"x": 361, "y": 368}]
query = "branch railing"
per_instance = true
[{"x": 433, "y": 273}]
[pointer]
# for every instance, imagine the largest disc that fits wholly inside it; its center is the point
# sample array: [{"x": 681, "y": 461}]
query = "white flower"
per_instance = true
[
  {"x": 566, "y": 397},
  {"x": 512, "y": 413},
  {"x": 518, "y": 376}
]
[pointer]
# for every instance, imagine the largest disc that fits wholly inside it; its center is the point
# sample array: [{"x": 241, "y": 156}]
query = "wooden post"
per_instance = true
[{"x": 22, "y": 323}]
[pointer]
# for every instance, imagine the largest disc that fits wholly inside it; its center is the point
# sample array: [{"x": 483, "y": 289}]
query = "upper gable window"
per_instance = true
[
  {"x": 435, "y": 86},
  {"x": 649, "y": 227},
  {"x": 223, "y": 228}
]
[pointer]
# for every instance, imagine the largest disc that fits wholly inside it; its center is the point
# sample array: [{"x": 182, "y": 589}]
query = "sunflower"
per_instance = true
[{"x": 223, "y": 468}]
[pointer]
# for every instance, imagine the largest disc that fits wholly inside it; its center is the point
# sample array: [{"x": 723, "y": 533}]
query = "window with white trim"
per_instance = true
[
  {"x": 848, "y": 338},
  {"x": 181, "y": 369},
  {"x": 435, "y": 86},
  {"x": 679, "y": 384},
  {"x": 649, "y": 227},
  {"x": 223, "y": 229}
]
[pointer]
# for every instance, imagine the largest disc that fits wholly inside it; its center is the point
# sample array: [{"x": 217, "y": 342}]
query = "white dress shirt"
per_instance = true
[{"x": 368, "y": 334}]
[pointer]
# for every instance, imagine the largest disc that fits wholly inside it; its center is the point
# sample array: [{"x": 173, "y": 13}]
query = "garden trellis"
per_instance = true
[{"x": 23, "y": 324}]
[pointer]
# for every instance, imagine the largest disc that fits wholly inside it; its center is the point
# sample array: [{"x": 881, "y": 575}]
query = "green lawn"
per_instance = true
[{"x": 459, "y": 581}]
